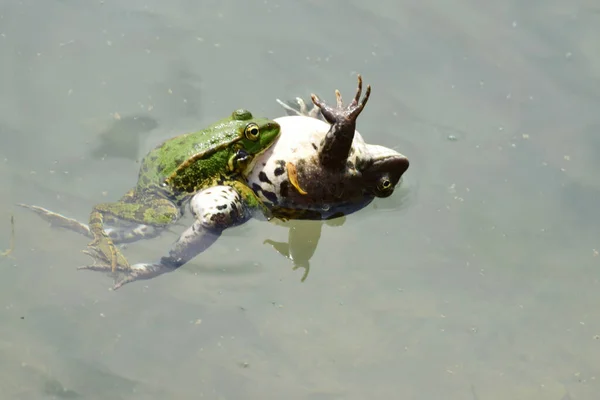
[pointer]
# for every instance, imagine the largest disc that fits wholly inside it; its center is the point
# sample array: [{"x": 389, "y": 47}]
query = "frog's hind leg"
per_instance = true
[
  {"x": 59, "y": 220},
  {"x": 158, "y": 212},
  {"x": 119, "y": 231},
  {"x": 214, "y": 209}
]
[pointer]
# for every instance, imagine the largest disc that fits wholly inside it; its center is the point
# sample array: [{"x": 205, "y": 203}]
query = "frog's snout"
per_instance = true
[{"x": 397, "y": 167}]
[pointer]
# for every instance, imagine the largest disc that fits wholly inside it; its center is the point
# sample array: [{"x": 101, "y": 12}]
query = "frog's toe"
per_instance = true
[
  {"x": 141, "y": 271},
  {"x": 290, "y": 109},
  {"x": 102, "y": 268},
  {"x": 106, "y": 252},
  {"x": 102, "y": 262},
  {"x": 123, "y": 281},
  {"x": 96, "y": 267}
]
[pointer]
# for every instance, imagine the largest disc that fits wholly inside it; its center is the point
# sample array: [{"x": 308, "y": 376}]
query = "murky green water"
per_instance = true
[{"x": 477, "y": 280}]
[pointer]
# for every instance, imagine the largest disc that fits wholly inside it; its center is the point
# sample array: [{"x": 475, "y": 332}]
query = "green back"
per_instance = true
[{"x": 194, "y": 160}]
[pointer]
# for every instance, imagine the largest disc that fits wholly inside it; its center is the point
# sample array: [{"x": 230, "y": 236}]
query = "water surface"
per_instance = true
[{"x": 477, "y": 280}]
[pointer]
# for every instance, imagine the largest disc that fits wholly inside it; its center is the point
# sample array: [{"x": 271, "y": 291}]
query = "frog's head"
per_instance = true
[
  {"x": 255, "y": 134},
  {"x": 381, "y": 170}
]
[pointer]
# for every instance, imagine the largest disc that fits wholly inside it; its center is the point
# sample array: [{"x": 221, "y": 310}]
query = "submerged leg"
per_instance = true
[
  {"x": 158, "y": 212},
  {"x": 120, "y": 232},
  {"x": 214, "y": 209},
  {"x": 59, "y": 220}
]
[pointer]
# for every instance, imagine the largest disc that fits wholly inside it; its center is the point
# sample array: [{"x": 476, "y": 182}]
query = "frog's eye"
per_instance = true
[
  {"x": 384, "y": 186},
  {"x": 252, "y": 132}
]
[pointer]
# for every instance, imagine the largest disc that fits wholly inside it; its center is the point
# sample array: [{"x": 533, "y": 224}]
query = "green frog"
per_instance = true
[
  {"x": 320, "y": 168},
  {"x": 176, "y": 171}
]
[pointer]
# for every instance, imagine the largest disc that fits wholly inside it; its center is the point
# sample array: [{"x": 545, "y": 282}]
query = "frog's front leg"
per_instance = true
[
  {"x": 155, "y": 213},
  {"x": 214, "y": 209}
]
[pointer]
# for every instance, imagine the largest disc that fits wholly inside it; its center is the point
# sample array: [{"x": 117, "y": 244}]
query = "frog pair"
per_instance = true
[{"x": 311, "y": 165}]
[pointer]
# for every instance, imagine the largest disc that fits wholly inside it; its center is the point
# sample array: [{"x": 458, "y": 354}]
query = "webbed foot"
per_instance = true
[
  {"x": 129, "y": 274},
  {"x": 350, "y": 112},
  {"x": 104, "y": 250},
  {"x": 335, "y": 147},
  {"x": 102, "y": 246}
]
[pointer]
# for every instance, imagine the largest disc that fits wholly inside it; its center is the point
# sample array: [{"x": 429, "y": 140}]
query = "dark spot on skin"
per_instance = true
[
  {"x": 179, "y": 161},
  {"x": 214, "y": 217},
  {"x": 284, "y": 188},
  {"x": 349, "y": 165},
  {"x": 160, "y": 168},
  {"x": 234, "y": 208},
  {"x": 153, "y": 157},
  {"x": 263, "y": 177},
  {"x": 209, "y": 192},
  {"x": 264, "y": 164},
  {"x": 257, "y": 188},
  {"x": 221, "y": 206},
  {"x": 272, "y": 197},
  {"x": 314, "y": 146},
  {"x": 279, "y": 171}
]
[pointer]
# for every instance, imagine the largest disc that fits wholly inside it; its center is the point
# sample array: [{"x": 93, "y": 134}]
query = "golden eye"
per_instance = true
[
  {"x": 252, "y": 132},
  {"x": 384, "y": 184}
]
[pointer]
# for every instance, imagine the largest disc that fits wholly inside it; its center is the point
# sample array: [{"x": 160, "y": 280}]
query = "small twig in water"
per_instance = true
[{"x": 7, "y": 252}]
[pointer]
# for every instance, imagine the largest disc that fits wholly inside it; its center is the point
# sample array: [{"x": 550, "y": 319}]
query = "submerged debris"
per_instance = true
[{"x": 7, "y": 252}]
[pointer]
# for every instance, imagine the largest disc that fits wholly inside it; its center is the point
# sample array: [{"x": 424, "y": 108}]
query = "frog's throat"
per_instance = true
[{"x": 252, "y": 162}]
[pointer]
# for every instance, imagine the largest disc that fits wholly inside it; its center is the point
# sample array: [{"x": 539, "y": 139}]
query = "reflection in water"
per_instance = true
[
  {"x": 303, "y": 238},
  {"x": 122, "y": 138}
]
